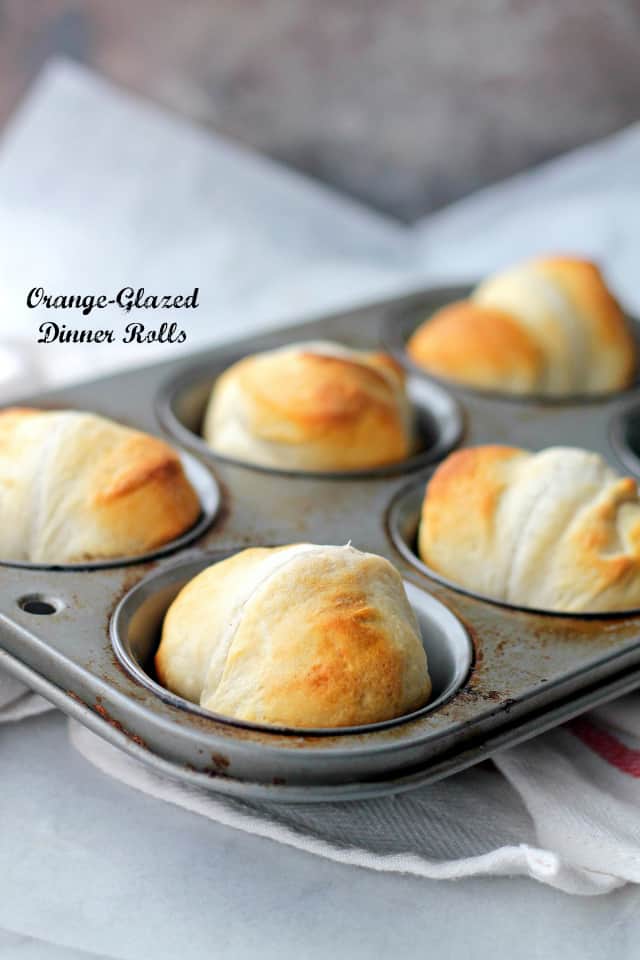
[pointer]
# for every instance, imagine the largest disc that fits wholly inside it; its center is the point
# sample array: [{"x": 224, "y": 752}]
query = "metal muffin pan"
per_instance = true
[{"x": 529, "y": 670}]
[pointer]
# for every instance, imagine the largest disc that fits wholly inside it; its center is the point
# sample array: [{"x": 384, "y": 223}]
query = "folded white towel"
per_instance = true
[
  {"x": 580, "y": 785},
  {"x": 17, "y": 701}
]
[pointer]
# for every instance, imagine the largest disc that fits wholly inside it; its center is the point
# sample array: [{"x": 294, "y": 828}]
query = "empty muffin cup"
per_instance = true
[
  {"x": 137, "y": 623},
  {"x": 181, "y": 405}
]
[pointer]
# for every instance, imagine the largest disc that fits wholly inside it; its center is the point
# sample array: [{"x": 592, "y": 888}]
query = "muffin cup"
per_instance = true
[
  {"x": 137, "y": 622},
  {"x": 206, "y": 487},
  {"x": 401, "y": 323},
  {"x": 403, "y": 521},
  {"x": 181, "y": 404},
  {"x": 624, "y": 436}
]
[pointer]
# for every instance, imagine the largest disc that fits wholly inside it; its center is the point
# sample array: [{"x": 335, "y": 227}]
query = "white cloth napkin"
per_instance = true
[
  {"x": 18, "y": 366},
  {"x": 17, "y": 702},
  {"x": 579, "y": 785},
  {"x": 174, "y": 205}
]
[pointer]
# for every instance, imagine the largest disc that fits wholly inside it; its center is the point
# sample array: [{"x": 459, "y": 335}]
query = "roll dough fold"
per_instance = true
[
  {"x": 78, "y": 487},
  {"x": 548, "y": 326},
  {"x": 311, "y": 406},
  {"x": 300, "y": 636},
  {"x": 557, "y": 530}
]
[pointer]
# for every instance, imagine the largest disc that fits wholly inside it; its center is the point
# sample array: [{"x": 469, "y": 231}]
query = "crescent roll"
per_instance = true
[
  {"x": 311, "y": 406},
  {"x": 557, "y": 530},
  {"x": 548, "y": 326},
  {"x": 300, "y": 636},
  {"x": 77, "y": 487}
]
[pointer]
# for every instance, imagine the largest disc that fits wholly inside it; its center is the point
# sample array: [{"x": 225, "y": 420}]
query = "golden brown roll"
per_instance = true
[
  {"x": 547, "y": 326},
  {"x": 76, "y": 487},
  {"x": 556, "y": 530},
  {"x": 311, "y": 406},
  {"x": 300, "y": 636}
]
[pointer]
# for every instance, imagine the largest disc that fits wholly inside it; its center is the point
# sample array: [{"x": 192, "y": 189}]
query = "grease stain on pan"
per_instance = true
[
  {"x": 219, "y": 761},
  {"x": 203, "y": 771},
  {"x": 99, "y": 708},
  {"x": 102, "y": 711}
]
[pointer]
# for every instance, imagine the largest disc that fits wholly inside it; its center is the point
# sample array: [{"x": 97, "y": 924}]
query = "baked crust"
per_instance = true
[
  {"x": 612, "y": 345},
  {"x": 556, "y": 530},
  {"x": 547, "y": 326},
  {"x": 497, "y": 353},
  {"x": 300, "y": 636},
  {"x": 311, "y": 407},
  {"x": 78, "y": 487}
]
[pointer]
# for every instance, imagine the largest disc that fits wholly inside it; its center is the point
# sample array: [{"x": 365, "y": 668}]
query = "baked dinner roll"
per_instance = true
[
  {"x": 556, "y": 530},
  {"x": 311, "y": 406},
  {"x": 77, "y": 487},
  {"x": 299, "y": 636},
  {"x": 547, "y": 326}
]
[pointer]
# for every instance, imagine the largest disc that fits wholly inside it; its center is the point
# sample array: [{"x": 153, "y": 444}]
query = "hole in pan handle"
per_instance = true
[{"x": 39, "y": 605}]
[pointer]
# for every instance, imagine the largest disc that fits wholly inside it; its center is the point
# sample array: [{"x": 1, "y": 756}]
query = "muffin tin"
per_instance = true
[{"x": 84, "y": 636}]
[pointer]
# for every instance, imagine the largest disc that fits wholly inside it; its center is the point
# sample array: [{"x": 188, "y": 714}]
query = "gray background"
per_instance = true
[{"x": 405, "y": 105}]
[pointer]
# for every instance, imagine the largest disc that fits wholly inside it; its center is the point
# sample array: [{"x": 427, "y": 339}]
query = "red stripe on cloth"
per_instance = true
[{"x": 607, "y": 746}]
